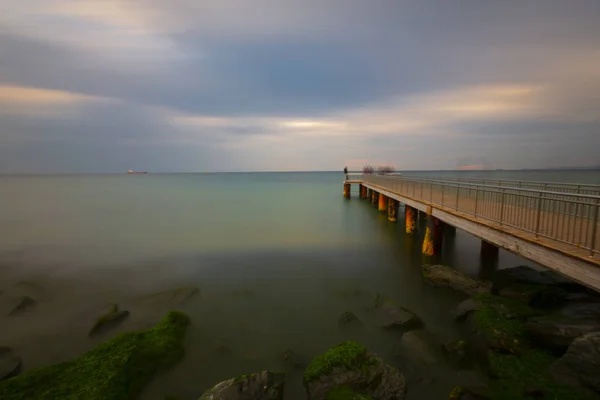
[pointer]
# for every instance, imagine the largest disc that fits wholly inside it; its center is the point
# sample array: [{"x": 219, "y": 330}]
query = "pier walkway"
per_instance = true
[{"x": 553, "y": 224}]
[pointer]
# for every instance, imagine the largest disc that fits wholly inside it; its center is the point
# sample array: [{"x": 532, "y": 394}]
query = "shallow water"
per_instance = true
[{"x": 291, "y": 239}]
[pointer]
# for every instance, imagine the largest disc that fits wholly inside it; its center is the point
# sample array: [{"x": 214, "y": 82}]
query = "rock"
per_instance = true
[
  {"x": 416, "y": 348},
  {"x": 580, "y": 364},
  {"x": 463, "y": 393},
  {"x": 108, "y": 320},
  {"x": 456, "y": 353},
  {"x": 350, "y": 364},
  {"x": 538, "y": 296},
  {"x": 294, "y": 360},
  {"x": 558, "y": 334},
  {"x": 10, "y": 364},
  {"x": 15, "y": 305},
  {"x": 169, "y": 298},
  {"x": 349, "y": 320},
  {"x": 263, "y": 385},
  {"x": 345, "y": 393},
  {"x": 462, "y": 311},
  {"x": 442, "y": 275},
  {"x": 393, "y": 316},
  {"x": 581, "y": 310}
]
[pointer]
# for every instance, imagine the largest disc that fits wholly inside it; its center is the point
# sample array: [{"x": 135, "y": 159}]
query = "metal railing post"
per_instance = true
[
  {"x": 476, "y": 199},
  {"x": 457, "y": 192},
  {"x": 502, "y": 206},
  {"x": 537, "y": 218},
  {"x": 594, "y": 228}
]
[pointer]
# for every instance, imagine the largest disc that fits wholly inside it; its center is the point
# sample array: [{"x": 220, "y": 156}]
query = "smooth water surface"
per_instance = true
[{"x": 289, "y": 238}]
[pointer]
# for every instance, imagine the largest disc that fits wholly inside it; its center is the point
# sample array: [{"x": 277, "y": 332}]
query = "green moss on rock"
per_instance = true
[
  {"x": 115, "y": 370},
  {"x": 345, "y": 393},
  {"x": 349, "y": 355}
]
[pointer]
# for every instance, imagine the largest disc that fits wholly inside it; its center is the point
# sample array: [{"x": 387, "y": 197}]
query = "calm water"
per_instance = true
[{"x": 289, "y": 237}]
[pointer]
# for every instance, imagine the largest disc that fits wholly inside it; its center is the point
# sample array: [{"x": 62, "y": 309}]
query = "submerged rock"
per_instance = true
[
  {"x": 263, "y": 385},
  {"x": 580, "y": 365},
  {"x": 463, "y": 393},
  {"x": 393, "y": 316},
  {"x": 15, "y": 305},
  {"x": 557, "y": 334},
  {"x": 10, "y": 364},
  {"x": 110, "y": 319},
  {"x": 349, "y": 320},
  {"x": 415, "y": 346},
  {"x": 442, "y": 275},
  {"x": 462, "y": 311},
  {"x": 116, "y": 369},
  {"x": 169, "y": 298},
  {"x": 350, "y": 365},
  {"x": 294, "y": 359},
  {"x": 456, "y": 353}
]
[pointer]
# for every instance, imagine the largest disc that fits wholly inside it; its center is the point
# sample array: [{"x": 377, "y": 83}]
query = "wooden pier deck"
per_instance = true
[{"x": 558, "y": 228}]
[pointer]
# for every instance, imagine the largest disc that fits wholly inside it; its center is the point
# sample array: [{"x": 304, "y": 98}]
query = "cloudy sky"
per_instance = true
[{"x": 226, "y": 85}]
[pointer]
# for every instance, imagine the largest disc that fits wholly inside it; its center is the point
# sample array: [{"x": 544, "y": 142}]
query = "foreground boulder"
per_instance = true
[
  {"x": 557, "y": 334},
  {"x": 116, "y": 369},
  {"x": 263, "y": 385},
  {"x": 109, "y": 319},
  {"x": 393, "y": 316},
  {"x": 349, "y": 365},
  {"x": 580, "y": 366},
  {"x": 441, "y": 275},
  {"x": 10, "y": 364}
]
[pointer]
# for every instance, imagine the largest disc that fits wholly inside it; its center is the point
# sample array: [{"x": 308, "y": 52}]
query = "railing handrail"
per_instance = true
[
  {"x": 463, "y": 184},
  {"x": 566, "y": 184}
]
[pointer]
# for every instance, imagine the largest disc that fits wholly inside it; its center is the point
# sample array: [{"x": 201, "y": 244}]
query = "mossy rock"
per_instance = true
[
  {"x": 392, "y": 316},
  {"x": 265, "y": 385},
  {"x": 114, "y": 370},
  {"x": 348, "y": 355},
  {"x": 350, "y": 364},
  {"x": 441, "y": 275},
  {"x": 111, "y": 318},
  {"x": 345, "y": 393}
]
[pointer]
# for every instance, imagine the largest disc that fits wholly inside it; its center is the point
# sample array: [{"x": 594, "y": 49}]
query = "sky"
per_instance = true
[{"x": 278, "y": 85}]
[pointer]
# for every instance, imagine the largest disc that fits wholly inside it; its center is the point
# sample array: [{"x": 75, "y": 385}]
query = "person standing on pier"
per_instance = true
[{"x": 346, "y": 172}]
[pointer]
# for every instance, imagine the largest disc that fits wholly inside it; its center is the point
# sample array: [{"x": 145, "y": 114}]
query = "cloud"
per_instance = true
[{"x": 307, "y": 85}]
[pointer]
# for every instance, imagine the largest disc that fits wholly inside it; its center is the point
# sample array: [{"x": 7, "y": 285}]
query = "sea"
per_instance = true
[{"x": 276, "y": 257}]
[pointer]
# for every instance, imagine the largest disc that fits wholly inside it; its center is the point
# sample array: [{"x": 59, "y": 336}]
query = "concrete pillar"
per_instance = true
[
  {"x": 374, "y": 198},
  {"x": 489, "y": 250},
  {"x": 410, "y": 216},
  {"x": 393, "y": 209},
  {"x": 432, "y": 242},
  {"x": 347, "y": 190},
  {"x": 382, "y": 203},
  {"x": 450, "y": 230}
]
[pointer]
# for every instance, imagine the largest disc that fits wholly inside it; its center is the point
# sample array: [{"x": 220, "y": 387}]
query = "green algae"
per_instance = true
[
  {"x": 345, "y": 393},
  {"x": 114, "y": 370},
  {"x": 349, "y": 355}
]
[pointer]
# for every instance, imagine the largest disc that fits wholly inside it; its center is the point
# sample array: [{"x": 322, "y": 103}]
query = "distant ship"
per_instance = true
[{"x": 135, "y": 173}]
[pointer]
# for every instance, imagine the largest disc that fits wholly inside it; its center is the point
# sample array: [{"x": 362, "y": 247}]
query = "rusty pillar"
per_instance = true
[
  {"x": 393, "y": 209},
  {"x": 347, "y": 190},
  {"x": 369, "y": 194},
  {"x": 382, "y": 206},
  {"x": 432, "y": 242},
  {"x": 363, "y": 191},
  {"x": 410, "y": 215},
  {"x": 374, "y": 198}
]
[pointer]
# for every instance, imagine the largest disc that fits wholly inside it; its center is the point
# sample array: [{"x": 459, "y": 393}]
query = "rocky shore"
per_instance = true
[{"x": 527, "y": 334}]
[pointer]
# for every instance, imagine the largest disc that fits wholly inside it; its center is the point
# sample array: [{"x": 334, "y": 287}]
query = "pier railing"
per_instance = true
[{"x": 571, "y": 218}]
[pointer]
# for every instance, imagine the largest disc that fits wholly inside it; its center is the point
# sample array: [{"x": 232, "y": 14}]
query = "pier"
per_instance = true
[{"x": 553, "y": 224}]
